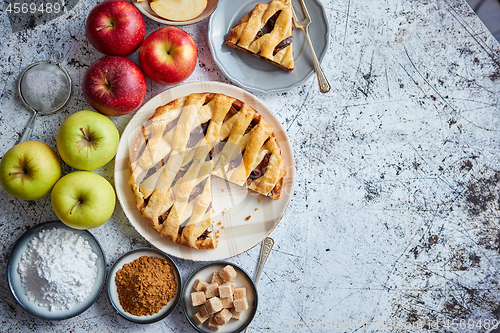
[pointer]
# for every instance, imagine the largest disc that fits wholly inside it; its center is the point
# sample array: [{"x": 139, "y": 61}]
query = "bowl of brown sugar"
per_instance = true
[{"x": 144, "y": 285}]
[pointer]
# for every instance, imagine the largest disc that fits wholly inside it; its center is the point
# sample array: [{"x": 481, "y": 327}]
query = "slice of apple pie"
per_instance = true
[
  {"x": 183, "y": 145},
  {"x": 266, "y": 32}
]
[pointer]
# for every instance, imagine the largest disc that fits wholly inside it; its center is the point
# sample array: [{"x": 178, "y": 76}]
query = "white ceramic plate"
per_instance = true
[
  {"x": 17, "y": 288},
  {"x": 145, "y": 9},
  {"x": 241, "y": 280},
  {"x": 255, "y": 74},
  {"x": 232, "y": 204},
  {"x": 113, "y": 293}
]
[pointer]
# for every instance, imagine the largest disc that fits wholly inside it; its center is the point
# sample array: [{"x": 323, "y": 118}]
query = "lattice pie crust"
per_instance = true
[{"x": 183, "y": 145}]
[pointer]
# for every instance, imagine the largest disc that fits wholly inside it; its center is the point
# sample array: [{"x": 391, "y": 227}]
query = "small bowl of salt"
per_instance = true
[{"x": 56, "y": 272}]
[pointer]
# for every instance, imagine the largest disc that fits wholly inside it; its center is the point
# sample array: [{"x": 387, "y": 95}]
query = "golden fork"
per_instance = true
[{"x": 324, "y": 86}]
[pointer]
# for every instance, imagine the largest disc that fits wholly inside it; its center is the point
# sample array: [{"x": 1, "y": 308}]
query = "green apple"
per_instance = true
[
  {"x": 83, "y": 200},
  {"x": 29, "y": 170},
  {"x": 87, "y": 140}
]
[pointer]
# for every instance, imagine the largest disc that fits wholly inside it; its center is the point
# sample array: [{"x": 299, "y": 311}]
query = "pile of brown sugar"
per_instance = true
[{"x": 145, "y": 285}]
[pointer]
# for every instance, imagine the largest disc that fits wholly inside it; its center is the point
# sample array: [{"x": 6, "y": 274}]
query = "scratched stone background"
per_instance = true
[{"x": 394, "y": 221}]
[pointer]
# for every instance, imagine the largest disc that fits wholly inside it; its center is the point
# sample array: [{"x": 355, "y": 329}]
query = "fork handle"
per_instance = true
[
  {"x": 265, "y": 250},
  {"x": 324, "y": 85}
]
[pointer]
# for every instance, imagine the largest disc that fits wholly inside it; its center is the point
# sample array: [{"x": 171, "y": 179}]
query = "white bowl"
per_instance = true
[{"x": 18, "y": 291}]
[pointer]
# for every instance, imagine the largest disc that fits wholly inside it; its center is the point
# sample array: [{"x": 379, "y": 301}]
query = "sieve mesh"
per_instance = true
[{"x": 45, "y": 87}]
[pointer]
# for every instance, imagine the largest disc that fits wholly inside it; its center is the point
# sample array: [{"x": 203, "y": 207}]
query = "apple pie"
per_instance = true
[
  {"x": 183, "y": 145},
  {"x": 266, "y": 32}
]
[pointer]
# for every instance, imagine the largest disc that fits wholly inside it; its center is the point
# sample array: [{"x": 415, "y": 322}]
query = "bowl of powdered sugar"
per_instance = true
[{"x": 56, "y": 272}]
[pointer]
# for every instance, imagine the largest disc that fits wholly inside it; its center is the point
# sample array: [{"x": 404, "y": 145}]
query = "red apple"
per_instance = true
[
  {"x": 115, "y": 27},
  {"x": 114, "y": 85},
  {"x": 168, "y": 55}
]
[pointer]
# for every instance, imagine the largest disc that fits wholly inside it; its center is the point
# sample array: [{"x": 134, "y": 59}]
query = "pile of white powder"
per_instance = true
[{"x": 58, "y": 269}]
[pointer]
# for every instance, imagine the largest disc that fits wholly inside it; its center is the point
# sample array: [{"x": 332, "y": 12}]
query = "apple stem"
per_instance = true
[
  {"x": 106, "y": 78},
  {"x": 84, "y": 135},
  {"x": 111, "y": 25},
  {"x": 77, "y": 203},
  {"x": 17, "y": 172}
]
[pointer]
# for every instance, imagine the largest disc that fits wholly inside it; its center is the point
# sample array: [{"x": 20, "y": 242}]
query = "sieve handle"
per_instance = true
[{"x": 29, "y": 128}]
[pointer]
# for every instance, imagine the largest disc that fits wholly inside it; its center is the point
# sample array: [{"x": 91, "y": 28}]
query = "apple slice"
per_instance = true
[{"x": 178, "y": 10}]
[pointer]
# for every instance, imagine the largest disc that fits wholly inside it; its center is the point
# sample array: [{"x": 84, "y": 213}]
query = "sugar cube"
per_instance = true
[
  {"x": 213, "y": 305},
  {"x": 216, "y": 278},
  {"x": 240, "y": 304},
  {"x": 199, "y": 319},
  {"x": 232, "y": 287},
  {"x": 223, "y": 317},
  {"x": 227, "y": 273},
  {"x": 212, "y": 290},
  {"x": 200, "y": 285},
  {"x": 235, "y": 315},
  {"x": 204, "y": 311},
  {"x": 227, "y": 302},
  {"x": 212, "y": 324},
  {"x": 225, "y": 290},
  {"x": 198, "y": 298},
  {"x": 240, "y": 292}
]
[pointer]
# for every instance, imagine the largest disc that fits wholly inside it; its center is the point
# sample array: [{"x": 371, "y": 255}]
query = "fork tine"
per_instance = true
[{"x": 304, "y": 8}]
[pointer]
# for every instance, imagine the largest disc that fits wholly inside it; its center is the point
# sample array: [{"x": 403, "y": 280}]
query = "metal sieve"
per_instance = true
[{"x": 44, "y": 88}]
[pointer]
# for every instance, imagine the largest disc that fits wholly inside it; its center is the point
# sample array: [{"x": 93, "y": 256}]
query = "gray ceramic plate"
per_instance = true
[
  {"x": 14, "y": 278},
  {"x": 241, "y": 280},
  {"x": 257, "y": 75},
  {"x": 113, "y": 294}
]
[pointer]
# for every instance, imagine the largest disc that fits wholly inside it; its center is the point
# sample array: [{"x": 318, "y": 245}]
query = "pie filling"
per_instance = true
[
  {"x": 164, "y": 216},
  {"x": 283, "y": 44},
  {"x": 217, "y": 148},
  {"x": 197, "y": 190},
  {"x": 260, "y": 170},
  {"x": 237, "y": 161},
  {"x": 204, "y": 235},
  {"x": 182, "y": 171},
  {"x": 170, "y": 125},
  {"x": 197, "y": 134},
  {"x": 269, "y": 26}
]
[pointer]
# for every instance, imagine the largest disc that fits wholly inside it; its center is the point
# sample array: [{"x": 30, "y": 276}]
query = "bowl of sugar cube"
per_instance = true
[{"x": 219, "y": 297}]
